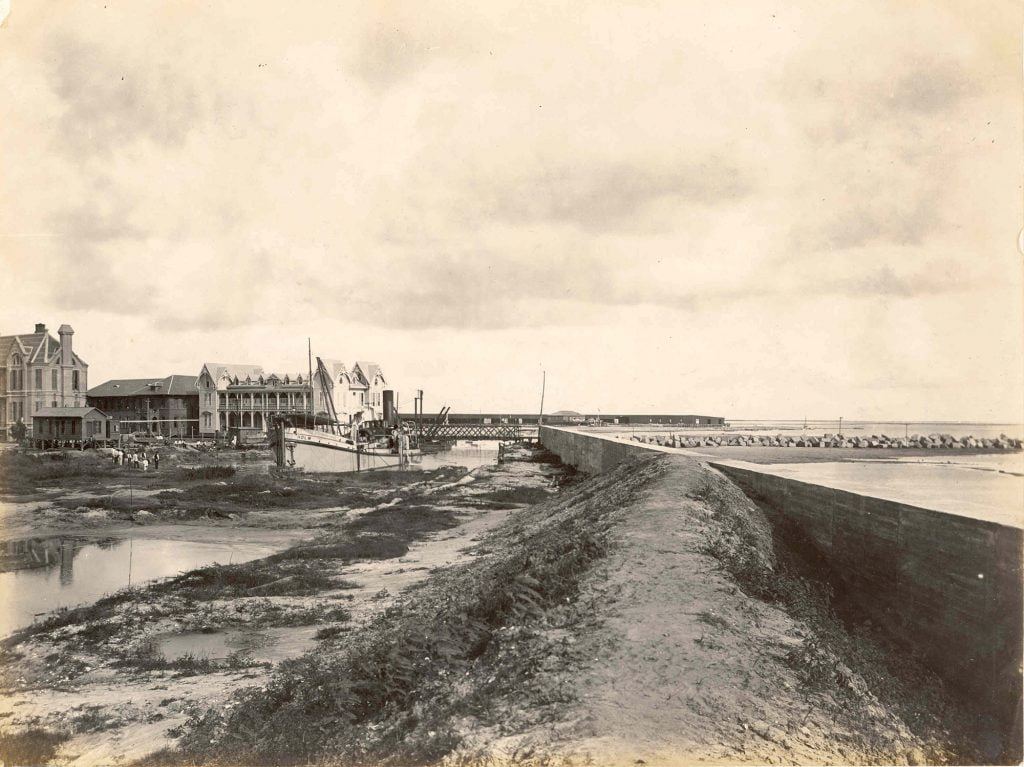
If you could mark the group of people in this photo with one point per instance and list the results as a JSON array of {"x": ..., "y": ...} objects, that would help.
[{"x": 136, "y": 459}]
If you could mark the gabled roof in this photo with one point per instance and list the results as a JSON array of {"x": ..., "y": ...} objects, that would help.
[
  {"x": 66, "y": 412},
  {"x": 174, "y": 385},
  {"x": 334, "y": 368},
  {"x": 369, "y": 369},
  {"x": 218, "y": 370},
  {"x": 268, "y": 380},
  {"x": 35, "y": 346}
]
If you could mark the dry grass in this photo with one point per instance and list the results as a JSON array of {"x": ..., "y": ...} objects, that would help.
[{"x": 24, "y": 474}]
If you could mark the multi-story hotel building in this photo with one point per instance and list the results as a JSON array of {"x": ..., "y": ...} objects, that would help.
[{"x": 244, "y": 396}]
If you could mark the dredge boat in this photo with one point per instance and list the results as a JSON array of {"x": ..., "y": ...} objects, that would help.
[{"x": 323, "y": 444}]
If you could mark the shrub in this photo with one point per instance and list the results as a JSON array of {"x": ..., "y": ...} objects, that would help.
[
  {"x": 34, "y": 746},
  {"x": 208, "y": 472}
]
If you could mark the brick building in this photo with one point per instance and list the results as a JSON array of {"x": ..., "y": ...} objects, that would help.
[
  {"x": 38, "y": 371},
  {"x": 166, "y": 406}
]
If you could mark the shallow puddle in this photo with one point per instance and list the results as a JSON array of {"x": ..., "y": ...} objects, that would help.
[
  {"x": 39, "y": 575},
  {"x": 263, "y": 645}
]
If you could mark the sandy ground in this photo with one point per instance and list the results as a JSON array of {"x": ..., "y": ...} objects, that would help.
[
  {"x": 118, "y": 715},
  {"x": 139, "y": 708}
]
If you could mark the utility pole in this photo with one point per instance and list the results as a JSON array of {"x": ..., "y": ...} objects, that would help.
[
  {"x": 543, "y": 385},
  {"x": 309, "y": 349}
]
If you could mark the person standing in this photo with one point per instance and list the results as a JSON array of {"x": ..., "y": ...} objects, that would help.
[
  {"x": 145, "y": 462},
  {"x": 156, "y": 460}
]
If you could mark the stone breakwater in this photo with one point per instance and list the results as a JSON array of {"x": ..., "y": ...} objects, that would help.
[{"x": 881, "y": 441}]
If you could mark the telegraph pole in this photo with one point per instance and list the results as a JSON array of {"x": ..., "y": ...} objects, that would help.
[
  {"x": 543, "y": 385},
  {"x": 309, "y": 349}
]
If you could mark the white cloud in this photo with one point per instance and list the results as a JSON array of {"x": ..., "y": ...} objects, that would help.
[{"x": 715, "y": 201}]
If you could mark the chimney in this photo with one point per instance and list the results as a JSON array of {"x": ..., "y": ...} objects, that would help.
[
  {"x": 40, "y": 327},
  {"x": 65, "y": 333}
]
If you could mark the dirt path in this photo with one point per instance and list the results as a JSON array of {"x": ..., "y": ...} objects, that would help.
[{"x": 687, "y": 668}]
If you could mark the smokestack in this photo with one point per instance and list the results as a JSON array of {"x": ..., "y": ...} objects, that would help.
[
  {"x": 40, "y": 327},
  {"x": 390, "y": 416},
  {"x": 65, "y": 333}
]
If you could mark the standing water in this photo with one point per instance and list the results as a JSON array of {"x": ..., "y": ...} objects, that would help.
[
  {"x": 39, "y": 575},
  {"x": 465, "y": 453}
]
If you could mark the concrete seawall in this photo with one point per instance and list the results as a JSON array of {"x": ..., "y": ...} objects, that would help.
[
  {"x": 593, "y": 453},
  {"x": 947, "y": 586}
]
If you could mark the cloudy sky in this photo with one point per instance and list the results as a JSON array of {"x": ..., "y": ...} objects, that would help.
[{"x": 752, "y": 209}]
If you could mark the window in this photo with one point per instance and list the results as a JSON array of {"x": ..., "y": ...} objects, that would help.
[
  {"x": 39, "y": 379},
  {"x": 74, "y": 380},
  {"x": 14, "y": 380},
  {"x": 53, "y": 380}
]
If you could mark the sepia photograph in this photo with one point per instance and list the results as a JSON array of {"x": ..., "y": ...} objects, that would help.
[{"x": 568, "y": 383}]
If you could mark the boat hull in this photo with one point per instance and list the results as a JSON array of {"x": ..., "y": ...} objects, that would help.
[{"x": 315, "y": 451}]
